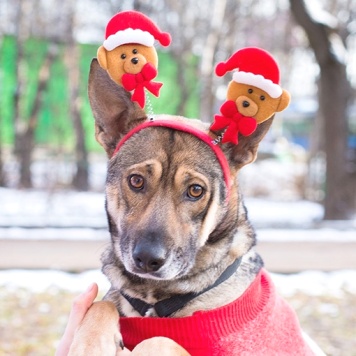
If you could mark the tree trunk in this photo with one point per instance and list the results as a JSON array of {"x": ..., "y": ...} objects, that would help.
[
  {"x": 334, "y": 95},
  {"x": 19, "y": 125},
  {"x": 24, "y": 130},
  {"x": 184, "y": 86},
  {"x": 81, "y": 177},
  {"x": 207, "y": 99},
  {"x": 26, "y": 134},
  {"x": 2, "y": 173},
  {"x": 181, "y": 50}
]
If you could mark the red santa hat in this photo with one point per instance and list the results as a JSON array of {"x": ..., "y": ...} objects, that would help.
[
  {"x": 253, "y": 66},
  {"x": 133, "y": 27}
]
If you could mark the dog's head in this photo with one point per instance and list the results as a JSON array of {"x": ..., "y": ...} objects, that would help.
[{"x": 170, "y": 199}]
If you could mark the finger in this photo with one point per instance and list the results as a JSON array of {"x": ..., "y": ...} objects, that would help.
[{"x": 80, "y": 306}]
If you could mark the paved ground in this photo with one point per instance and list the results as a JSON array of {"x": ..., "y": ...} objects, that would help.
[{"x": 78, "y": 255}]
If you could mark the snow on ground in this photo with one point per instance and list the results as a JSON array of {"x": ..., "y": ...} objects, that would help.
[
  {"x": 317, "y": 283},
  {"x": 312, "y": 283},
  {"x": 69, "y": 208},
  {"x": 300, "y": 212},
  {"x": 51, "y": 233},
  {"x": 102, "y": 234},
  {"x": 39, "y": 281},
  {"x": 307, "y": 235},
  {"x": 78, "y": 215},
  {"x": 58, "y": 208}
]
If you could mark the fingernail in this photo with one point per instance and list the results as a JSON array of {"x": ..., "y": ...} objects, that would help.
[{"x": 90, "y": 288}]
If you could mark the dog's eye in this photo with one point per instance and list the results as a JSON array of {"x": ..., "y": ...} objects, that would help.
[
  {"x": 195, "y": 192},
  {"x": 135, "y": 51},
  {"x": 123, "y": 56},
  {"x": 262, "y": 97},
  {"x": 250, "y": 91},
  {"x": 136, "y": 182}
]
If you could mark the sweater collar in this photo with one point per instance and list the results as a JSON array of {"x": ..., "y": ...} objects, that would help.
[{"x": 202, "y": 329}]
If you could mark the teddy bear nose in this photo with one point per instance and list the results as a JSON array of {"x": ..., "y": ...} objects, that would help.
[
  {"x": 245, "y": 104},
  {"x": 134, "y": 60}
]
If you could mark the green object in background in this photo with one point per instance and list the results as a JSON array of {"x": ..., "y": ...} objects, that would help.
[{"x": 54, "y": 127}]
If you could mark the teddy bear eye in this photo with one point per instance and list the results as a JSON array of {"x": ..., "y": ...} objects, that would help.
[
  {"x": 250, "y": 91},
  {"x": 262, "y": 97},
  {"x": 123, "y": 56},
  {"x": 135, "y": 51}
]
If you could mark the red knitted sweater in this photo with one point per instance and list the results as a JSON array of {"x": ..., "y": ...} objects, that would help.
[{"x": 257, "y": 323}]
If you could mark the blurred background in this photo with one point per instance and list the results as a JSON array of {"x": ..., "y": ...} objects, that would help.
[{"x": 300, "y": 193}]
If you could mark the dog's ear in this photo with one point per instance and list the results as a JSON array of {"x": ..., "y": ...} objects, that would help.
[
  {"x": 245, "y": 151},
  {"x": 114, "y": 112}
]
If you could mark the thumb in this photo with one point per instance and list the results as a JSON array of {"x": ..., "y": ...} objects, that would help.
[{"x": 80, "y": 306}]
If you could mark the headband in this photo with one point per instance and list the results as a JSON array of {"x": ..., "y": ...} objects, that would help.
[{"x": 179, "y": 126}]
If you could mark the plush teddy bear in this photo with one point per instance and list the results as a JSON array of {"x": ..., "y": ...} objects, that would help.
[
  {"x": 253, "y": 96},
  {"x": 128, "y": 53}
]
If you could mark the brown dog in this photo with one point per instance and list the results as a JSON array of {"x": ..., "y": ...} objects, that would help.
[{"x": 181, "y": 262}]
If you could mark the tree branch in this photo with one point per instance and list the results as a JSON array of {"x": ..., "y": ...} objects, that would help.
[{"x": 317, "y": 32}]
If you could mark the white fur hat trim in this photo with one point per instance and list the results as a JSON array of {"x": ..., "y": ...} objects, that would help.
[
  {"x": 257, "y": 80},
  {"x": 128, "y": 36}
]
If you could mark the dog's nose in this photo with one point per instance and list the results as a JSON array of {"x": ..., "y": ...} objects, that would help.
[
  {"x": 245, "y": 104},
  {"x": 149, "y": 256},
  {"x": 134, "y": 60}
]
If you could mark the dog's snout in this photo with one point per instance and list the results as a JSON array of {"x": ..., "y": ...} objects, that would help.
[
  {"x": 134, "y": 60},
  {"x": 149, "y": 256},
  {"x": 245, "y": 104}
]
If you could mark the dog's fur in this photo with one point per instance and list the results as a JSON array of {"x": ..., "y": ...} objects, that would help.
[
  {"x": 190, "y": 241},
  {"x": 109, "y": 338}
]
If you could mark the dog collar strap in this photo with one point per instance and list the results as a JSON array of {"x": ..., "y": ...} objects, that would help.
[
  {"x": 179, "y": 126},
  {"x": 167, "y": 307}
]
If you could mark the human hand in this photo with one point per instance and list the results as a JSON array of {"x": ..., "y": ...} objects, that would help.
[{"x": 80, "y": 306}]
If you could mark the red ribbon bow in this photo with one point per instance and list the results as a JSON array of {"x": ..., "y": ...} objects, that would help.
[
  {"x": 138, "y": 82},
  {"x": 234, "y": 121}
]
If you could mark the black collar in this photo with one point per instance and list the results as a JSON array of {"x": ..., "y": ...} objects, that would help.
[{"x": 167, "y": 307}]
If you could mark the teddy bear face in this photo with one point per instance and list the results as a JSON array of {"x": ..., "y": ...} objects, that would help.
[
  {"x": 255, "y": 102},
  {"x": 127, "y": 58}
]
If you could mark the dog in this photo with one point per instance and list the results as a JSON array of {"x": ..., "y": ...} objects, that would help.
[{"x": 185, "y": 278}]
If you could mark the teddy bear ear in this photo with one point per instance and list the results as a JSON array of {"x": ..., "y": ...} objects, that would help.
[
  {"x": 114, "y": 112},
  {"x": 284, "y": 101},
  {"x": 101, "y": 55}
]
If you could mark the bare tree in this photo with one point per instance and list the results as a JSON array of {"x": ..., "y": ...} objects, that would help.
[
  {"x": 212, "y": 30},
  {"x": 26, "y": 137},
  {"x": 25, "y": 127},
  {"x": 20, "y": 36},
  {"x": 334, "y": 97},
  {"x": 182, "y": 47},
  {"x": 2, "y": 173},
  {"x": 207, "y": 98},
  {"x": 81, "y": 177}
]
